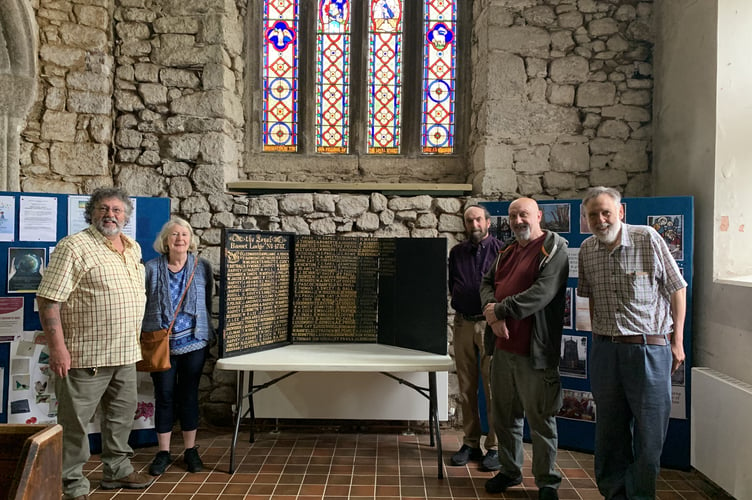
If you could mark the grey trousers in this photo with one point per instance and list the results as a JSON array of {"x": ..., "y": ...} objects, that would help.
[
  {"x": 78, "y": 395},
  {"x": 519, "y": 391}
]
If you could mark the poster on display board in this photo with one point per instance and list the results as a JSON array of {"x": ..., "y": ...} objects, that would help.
[
  {"x": 30, "y": 226},
  {"x": 673, "y": 218},
  {"x": 32, "y": 391}
]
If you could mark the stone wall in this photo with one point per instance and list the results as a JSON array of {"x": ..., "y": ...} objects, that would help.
[
  {"x": 561, "y": 100},
  {"x": 178, "y": 97},
  {"x": 562, "y": 96},
  {"x": 151, "y": 95},
  {"x": 144, "y": 94},
  {"x": 67, "y": 140}
]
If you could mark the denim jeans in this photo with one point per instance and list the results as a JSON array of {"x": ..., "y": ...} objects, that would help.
[
  {"x": 178, "y": 388},
  {"x": 631, "y": 386}
]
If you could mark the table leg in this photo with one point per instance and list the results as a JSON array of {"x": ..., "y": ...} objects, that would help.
[
  {"x": 238, "y": 417},
  {"x": 251, "y": 408},
  {"x": 431, "y": 411},
  {"x": 434, "y": 420}
]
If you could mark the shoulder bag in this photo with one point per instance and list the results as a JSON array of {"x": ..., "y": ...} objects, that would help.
[{"x": 155, "y": 346}]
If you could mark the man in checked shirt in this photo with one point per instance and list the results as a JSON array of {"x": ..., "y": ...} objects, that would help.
[
  {"x": 637, "y": 308},
  {"x": 91, "y": 303}
]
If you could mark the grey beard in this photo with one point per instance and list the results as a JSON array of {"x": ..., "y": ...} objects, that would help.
[
  {"x": 522, "y": 234},
  {"x": 107, "y": 231},
  {"x": 476, "y": 236}
]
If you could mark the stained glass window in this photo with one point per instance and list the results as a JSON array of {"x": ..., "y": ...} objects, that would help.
[
  {"x": 439, "y": 56},
  {"x": 280, "y": 79},
  {"x": 333, "y": 76},
  {"x": 384, "y": 76},
  {"x": 356, "y": 94}
]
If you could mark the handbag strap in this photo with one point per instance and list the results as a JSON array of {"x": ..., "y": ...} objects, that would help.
[{"x": 175, "y": 314}]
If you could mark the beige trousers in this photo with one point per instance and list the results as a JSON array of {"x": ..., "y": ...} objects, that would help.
[{"x": 468, "y": 347}]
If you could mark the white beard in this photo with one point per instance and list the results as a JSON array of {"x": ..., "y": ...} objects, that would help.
[{"x": 607, "y": 233}]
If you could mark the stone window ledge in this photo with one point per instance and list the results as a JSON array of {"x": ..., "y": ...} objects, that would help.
[{"x": 386, "y": 188}]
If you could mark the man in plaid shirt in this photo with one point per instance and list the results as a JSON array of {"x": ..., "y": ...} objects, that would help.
[
  {"x": 637, "y": 307},
  {"x": 91, "y": 304}
]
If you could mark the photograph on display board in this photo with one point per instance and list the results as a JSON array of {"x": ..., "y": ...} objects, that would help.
[
  {"x": 25, "y": 269},
  {"x": 556, "y": 217},
  {"x": 500, "y": 228},
  {"x": 31, "y": 398},
  {"x": 582, "y": 313},
  {"x": 577, "y": 405},
  {"x": 671, "y": 229},
  {"x": 584, "y": 228},
  {"x": 11, "y": 318},
  {"x": 573, "y": 356},
  {"x": 568, "y": 308},
  {"x": 7, "y": 218},
  {"x": 31, "y": 395}
]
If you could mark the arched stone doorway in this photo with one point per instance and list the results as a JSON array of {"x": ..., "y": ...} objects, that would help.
[{"x": 18, "y": 42}]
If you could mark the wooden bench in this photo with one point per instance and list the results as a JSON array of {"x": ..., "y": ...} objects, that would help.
[{"x": 31, "y": 461}]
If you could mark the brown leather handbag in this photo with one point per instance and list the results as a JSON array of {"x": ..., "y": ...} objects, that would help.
[{"x": 155, "y": 346}]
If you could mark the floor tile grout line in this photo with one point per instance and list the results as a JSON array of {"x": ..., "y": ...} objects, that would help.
[{"x": 410, "y": 453}]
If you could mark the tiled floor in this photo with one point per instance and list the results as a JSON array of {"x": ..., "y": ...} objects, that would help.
[{"x": 307, "y": 465}]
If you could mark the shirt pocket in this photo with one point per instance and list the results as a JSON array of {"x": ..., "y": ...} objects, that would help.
[{"x": 639, "y": 289}]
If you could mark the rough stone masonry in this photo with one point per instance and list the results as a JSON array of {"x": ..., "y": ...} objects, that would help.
[{"x": 162, "y": 97}]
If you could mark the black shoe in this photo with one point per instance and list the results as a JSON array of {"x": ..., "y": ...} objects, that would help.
[
  {"x": 548, "y": 493},
  {"x": 193, "y": 462},
  {"x": 466, "y": 454},
  {"x": 491, "y": 460},
  {"x": 160, "y": 463},
  {"x": 500, "y": 482}
]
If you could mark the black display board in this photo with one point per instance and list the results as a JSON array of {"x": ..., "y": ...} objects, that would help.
[
  {"x": 282, "y": 288},
  {"x": 673, "y": 218}
]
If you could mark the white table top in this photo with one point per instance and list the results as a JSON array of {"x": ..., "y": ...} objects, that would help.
[{"x": 341, "y": 357}]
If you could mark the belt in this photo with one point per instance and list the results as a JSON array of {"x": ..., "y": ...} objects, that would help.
[
  {"x": 636, "y": 339},
  {"x": 472, "y": 317}
]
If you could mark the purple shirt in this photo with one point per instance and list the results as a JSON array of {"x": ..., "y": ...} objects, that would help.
[{"x": 467, "y": 265}]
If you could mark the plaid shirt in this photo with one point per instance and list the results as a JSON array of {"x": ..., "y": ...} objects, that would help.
[
  {"x": 630, "y": 286},
  {"x": 103, "y": 297}
]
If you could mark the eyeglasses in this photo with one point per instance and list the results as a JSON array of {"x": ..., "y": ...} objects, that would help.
[{"x": 104, "y": 209}]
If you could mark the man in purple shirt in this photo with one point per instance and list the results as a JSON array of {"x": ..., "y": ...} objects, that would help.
[{"x": 468, "y": 262}]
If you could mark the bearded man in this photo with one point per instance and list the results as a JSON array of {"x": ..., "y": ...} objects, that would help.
[
  {"x": 91, "y": 304},
  {"x": 468, "y": 261},
  {"x": 523, "y": 298},
  {"x": 637, "y": 307}
]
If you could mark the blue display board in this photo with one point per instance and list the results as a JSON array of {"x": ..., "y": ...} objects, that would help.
[
  {"x": 52, "y": 210},
  {"x": 673, "y": 218}
]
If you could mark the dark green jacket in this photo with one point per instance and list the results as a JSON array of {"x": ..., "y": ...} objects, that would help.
[{"x": 544, "y": 300}]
